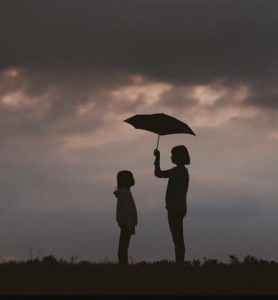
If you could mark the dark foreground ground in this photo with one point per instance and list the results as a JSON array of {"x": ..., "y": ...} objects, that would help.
[{"x": 50, "y": 276}]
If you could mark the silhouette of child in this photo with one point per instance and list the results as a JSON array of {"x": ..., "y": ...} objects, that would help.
[
  {"x": 126, "y": 215},
  {"x": 176, "y": 195}
]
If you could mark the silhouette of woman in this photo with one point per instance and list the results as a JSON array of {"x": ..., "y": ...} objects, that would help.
[
  {"x": 126, "y": 215},
  {"x": 176, "y": 195}
]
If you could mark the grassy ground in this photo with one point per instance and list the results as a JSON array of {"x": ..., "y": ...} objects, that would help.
[{"x": 50, "y": 276}]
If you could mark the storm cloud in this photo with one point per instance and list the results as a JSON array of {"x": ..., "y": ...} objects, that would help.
[{"x": 177, "y": 41}]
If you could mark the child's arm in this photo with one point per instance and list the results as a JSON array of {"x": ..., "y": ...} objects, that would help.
[
  {"x": 120, "y": 214},
  {"x": 129, "y": 221},
  {"x": 157, "y": 171}
]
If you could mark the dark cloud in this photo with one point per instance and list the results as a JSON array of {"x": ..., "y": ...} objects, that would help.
[{"x": 175, "y": 41}]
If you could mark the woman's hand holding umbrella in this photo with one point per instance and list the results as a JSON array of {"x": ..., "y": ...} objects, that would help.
[{"x": 156, "y": 153}]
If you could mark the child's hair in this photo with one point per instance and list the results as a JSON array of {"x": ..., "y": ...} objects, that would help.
[
  {"x": 125, "y": 179},
  {"x": 181, "y": 155}
]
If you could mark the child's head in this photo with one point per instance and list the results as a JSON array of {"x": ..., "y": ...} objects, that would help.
[
  {"x": 180, "y": 155},
  {"x": 125, "y": 179}
]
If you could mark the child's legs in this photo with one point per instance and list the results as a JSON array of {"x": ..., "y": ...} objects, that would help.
[{"x": 125, "y": 236}]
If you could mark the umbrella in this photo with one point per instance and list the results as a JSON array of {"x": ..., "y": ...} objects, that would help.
[{"x": 160, "y": 124}]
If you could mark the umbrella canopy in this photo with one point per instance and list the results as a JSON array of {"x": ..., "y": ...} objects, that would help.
[{"x": 160, "y": 124}]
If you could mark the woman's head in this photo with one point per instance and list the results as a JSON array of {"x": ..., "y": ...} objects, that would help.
[
  {"x": 125, "y": 179},
  {"x": 180, "y": 155}
]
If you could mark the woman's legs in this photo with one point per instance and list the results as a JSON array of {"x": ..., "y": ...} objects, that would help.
[
  {"x": 125, "y": 236},
  {"x": 176, "y": 227}
]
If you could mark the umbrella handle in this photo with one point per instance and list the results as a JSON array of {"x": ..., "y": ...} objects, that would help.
[{"x": 157, "y": 141}]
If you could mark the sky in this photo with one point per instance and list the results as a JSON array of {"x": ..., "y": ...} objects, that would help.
[{"x": 72, "y": 71}]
